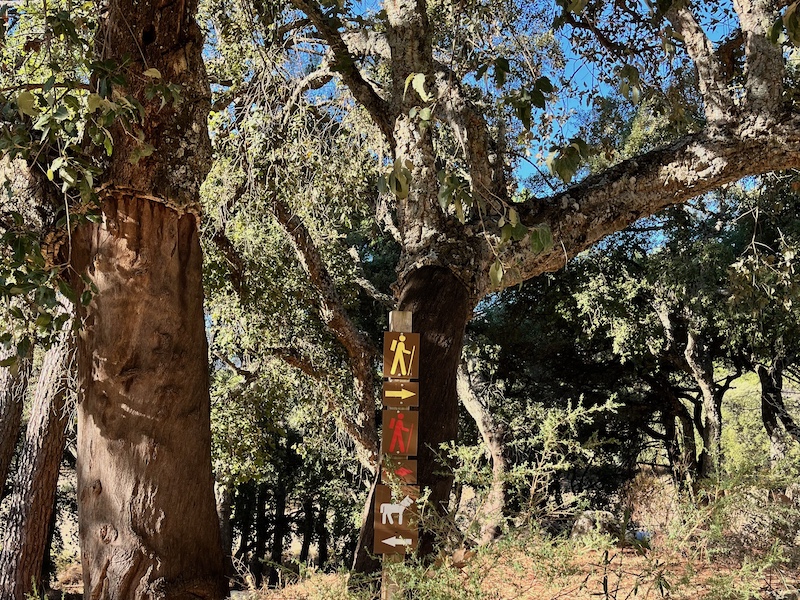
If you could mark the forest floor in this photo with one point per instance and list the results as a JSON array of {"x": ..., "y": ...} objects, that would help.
[{"x": 535, "y": 568}]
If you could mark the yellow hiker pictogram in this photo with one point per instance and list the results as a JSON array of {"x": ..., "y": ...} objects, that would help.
[{"x": 401, "y": 355}]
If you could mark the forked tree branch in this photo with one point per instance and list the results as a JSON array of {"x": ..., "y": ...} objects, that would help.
[
  {"x": 712, "y": 83},
  {"x": 345, "y": 64}
]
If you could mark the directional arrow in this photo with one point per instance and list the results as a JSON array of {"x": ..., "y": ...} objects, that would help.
[
  {"x": 397, "y": 541},
  {"x": 402, "y": 472},
  {"x": 401, "y": 393}
]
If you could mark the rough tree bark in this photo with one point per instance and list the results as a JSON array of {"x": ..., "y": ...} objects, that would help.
[
  {"x": 224, "y": 495},
  {"x": 442, "y": 307},
  {"x": 147, "y": 519},
  {"x": 13, "y": 387},
  {"x": 33, "y": 499},
  {"x": 771, "y": 390}
]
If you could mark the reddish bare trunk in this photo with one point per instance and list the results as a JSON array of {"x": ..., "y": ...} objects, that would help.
[
  {"x": 13, "y": 386},
  {"x": 147, "y": 516},
  {"x": 32, "y": 502}
]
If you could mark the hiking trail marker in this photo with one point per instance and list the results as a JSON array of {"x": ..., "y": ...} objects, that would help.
[{"x": 396, "y": 511}]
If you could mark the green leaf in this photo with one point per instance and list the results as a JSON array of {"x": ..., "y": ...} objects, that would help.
[
  {"x": 519, "y": 232},
  {"x": 501, "y": 69},
  {"x": 7, "y": 362},
  {"x": 26, "y": 102},
  {"x": 544, "y": 85},
  {"x": 506, "y": 232},
  {"x": 418, "y": 83},
  {"x": 66, "y": 290},
  {"x": 86, "y": 298},
  {"x": 541, "y": 239},
  {"x": 23, "y": 347},
  {"x": 425, "y": 114},
  {"x": 383, "y": 187},
  {"x": 496, "y": 273},
  {"x": 93, "y": 102},
  {"x": 459, "y": 206},
  {"x": 152, "y": 73},
  {"x": 408, "y": 82}
]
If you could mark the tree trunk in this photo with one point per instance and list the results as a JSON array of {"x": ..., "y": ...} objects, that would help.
[
  {"x": 13, "y": 387},
  {"x": 442, "y": 307},
  {"x": 771, "y": 401},
  {"x": 308, "y": 528},
  {"x": 147, "y": 516},
  {"x": 703, "y": 374},
  {"x": 260, "y": 548},
  {"x": 278, "y": 533},
  {"x": 244, "y": 515},
  {"x": 32, "y": 502},
  {"x": 322, "y": 536},
  {"x": 491, "y": 513},
  {"x": 224, "y": 495}
]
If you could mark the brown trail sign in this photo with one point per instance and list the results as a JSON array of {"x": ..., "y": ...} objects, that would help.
[
  {"x": 400, "y": 432},
  {"x": 396, "y": 516},
  {"x": 396, "y": 531},
  {"x": 400, "y": 394},
  {"x": 401, "y": 355}
]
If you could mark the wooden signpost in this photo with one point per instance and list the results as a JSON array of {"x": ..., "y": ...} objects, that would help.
[{"x": 396, "y": 511}]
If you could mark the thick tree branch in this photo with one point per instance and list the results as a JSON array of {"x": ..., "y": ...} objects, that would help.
[
  {"x": 362, "y": 91},
  {"x": 367, "y": 43},
  {"x": 607, "y": 202},
  {"x": 764, "y": 65},
  {"x": 713, "y": 85},
  {"x": 359, "y": 349},
  {"x": 469, "y": 125}
]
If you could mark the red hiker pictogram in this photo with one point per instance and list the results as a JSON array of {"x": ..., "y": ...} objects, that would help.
[{"x": 399, "y": 442}]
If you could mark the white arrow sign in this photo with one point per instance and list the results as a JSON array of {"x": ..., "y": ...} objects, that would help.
[{"x": 397, "y": 541}]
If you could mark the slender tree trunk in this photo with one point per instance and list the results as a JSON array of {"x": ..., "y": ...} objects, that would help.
[
  {"x": 32, "y": 502},
  {"x": 771, "y": 400},
  {"x": 244, "y": 515},
  {"x": 308, "y": 528},
  {"x": 703, "y": 374},
  {"x": 224, "y": 495},
  {"x": 260, "y": 548},
  {"x": 279, "y": 531},
  {"x": 492, "y": 511},
  {"x": 13, "y": 387},
  {"x": 322, "y": 536}
]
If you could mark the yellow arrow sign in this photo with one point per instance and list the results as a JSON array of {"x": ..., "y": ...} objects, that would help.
[{"x": 401, "y": 394}]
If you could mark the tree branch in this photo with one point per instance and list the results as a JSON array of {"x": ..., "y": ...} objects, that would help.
[
  {"x": 344, "y": 64},
  {"x": 713, "y": 85},
  {"x": 764, "y": 65},
  {"x": 359, "y": 350},
  {"x": 486, "y": 166},
  {"x": 609, "y": 201}
]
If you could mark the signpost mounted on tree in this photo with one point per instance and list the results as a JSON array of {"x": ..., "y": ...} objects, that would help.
[{"x": 396, "y": 531}]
